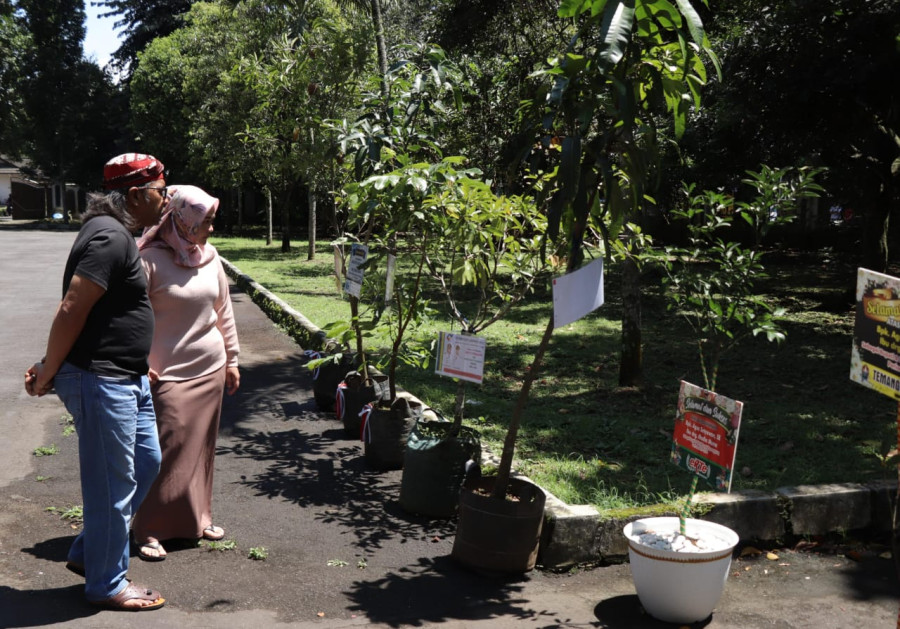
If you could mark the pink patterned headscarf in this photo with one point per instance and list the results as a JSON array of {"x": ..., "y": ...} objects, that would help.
[{"x": 180, "y": 223}]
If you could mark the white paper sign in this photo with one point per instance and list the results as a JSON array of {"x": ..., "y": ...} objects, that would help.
[
  {"x": 578, "y": 293},
  {"x": 389, "y": 279},
  {"x": 358, "y": 255},
  {"x": 460, "y": 356}
]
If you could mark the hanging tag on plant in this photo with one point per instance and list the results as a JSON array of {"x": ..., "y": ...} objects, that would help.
[
  {"x": 706, "y": 434},
  {"x": 353, "y": 282},
  {"x": 460, "y": 356},
  {"x": 389, "y": 279}
]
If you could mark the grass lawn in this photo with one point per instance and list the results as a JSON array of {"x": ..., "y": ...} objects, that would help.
[{"x": 589, "y": 441}]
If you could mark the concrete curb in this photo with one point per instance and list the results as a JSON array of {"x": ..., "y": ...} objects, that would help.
[{"x": 576, "y": 534}]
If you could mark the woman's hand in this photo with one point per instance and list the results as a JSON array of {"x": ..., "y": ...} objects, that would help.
[
  {"x": 232, "y": 380},
  {"x": 152, "y": 376}
]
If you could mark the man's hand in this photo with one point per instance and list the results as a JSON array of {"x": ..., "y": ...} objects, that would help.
[{"x": 36, "y": 381}]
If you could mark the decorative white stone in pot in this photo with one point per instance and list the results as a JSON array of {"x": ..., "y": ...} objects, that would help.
[{"x": 679, "y": 579}]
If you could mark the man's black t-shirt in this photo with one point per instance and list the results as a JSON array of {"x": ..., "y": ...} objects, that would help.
[{"x": 118, "y": 331}]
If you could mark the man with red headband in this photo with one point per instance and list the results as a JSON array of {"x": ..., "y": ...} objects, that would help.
[{"x": 97, "y": 360}]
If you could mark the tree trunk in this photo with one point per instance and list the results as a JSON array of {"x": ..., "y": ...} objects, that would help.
[
  {"x": 240, "y": 209},
  {"x": 630, "y": 365},
  {"x": 268, "y": 216},
  {"x": 380, "y": 46},
  {"x": 311, "y": 204},
  {"x": 311, "y": 201},
  {"x": 286, "y": 220},
  {"x": 509, "y": 443}
]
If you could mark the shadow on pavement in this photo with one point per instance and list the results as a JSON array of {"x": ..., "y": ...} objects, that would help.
[
  {"x": 625, "y": 612},
  {"x": 55, "y": 549},
  {"x": 872, "y": 579},
  {"x": 43, "y": 607},
  {"x": 437, "y": 590},
  {"x": 301, "y": 456}
]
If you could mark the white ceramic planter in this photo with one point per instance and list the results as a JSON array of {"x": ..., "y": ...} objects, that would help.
[{"x": 677, "y": 586}]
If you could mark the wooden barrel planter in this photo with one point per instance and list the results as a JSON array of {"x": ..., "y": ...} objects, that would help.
[{"x": 499, "y": 536}]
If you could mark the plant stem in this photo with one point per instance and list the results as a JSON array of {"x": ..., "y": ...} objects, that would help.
[
  {"x": 685, "y": 512},
  {"x": 458, "y": 407},
  {"x": 354, "y": 317},
  {"x": 509, "y": 444}
]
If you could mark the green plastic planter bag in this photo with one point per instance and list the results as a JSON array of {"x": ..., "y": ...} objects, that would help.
[{"x": 434, "y": 467}]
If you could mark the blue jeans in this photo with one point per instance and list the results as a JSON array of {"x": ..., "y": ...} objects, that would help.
[{"x": 118, "y": 450}]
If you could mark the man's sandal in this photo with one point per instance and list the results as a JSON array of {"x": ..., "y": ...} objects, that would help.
[
  {"x": 132, "y": 592},
  {"x": 213, "y": 533}
]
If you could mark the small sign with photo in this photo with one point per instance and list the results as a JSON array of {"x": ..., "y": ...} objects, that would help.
[
  {"x": 706, "y": 434},
  {"x": 460, "y": 356},
  {"x": 875, "y": 357}
]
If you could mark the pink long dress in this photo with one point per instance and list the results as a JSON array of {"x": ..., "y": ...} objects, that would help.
[{"x": 194, "y": 341}]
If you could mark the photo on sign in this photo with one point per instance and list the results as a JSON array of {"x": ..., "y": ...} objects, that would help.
[
  {"x": 875, "y": 355},
  {"x": 706, "y": 433},
  {"x": 460, "y": 356}
]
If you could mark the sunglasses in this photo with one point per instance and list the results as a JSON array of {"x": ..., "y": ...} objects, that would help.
[{"x": 164, "y": 191}]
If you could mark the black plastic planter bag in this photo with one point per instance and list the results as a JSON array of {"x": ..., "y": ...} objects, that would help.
[
  {"x": 353, "y": 394},
  {"x": 385, "y": 432},
  {"x": 434, "y": 467},
  {"x": 326, "y": 378}
]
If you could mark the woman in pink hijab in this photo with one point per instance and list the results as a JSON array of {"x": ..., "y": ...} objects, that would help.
[{"x": 193, "y": 357}]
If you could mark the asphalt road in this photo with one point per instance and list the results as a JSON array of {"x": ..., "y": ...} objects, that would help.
[{"x": 341, "y": 552}]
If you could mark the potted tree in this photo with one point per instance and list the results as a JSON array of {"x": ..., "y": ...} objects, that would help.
[
  {"x": 487, "y": 244},
  {"x": 680, "y": 564},
  {"x": 400, "y": 202},
  {"x": 627, "y": 64},
  {"x": 375, "y": 151}
]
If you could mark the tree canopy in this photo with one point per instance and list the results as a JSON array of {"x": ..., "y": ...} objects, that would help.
[{"x": 141, "y": 21}]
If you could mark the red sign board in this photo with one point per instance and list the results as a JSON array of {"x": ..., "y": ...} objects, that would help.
[{"x": 706, "y": 433}]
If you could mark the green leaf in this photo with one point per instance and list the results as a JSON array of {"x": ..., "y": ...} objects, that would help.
[
  {"x": 615, "y": 31},
  {"x": 572, "y": 8},
  {"x": 665, "y": 13},
  {"x": 695, "y": 24},
  {"x": 418, "y": 183}
]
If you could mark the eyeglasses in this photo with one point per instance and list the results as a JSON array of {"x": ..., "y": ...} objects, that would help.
[{"x": 164, "y": 191}]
